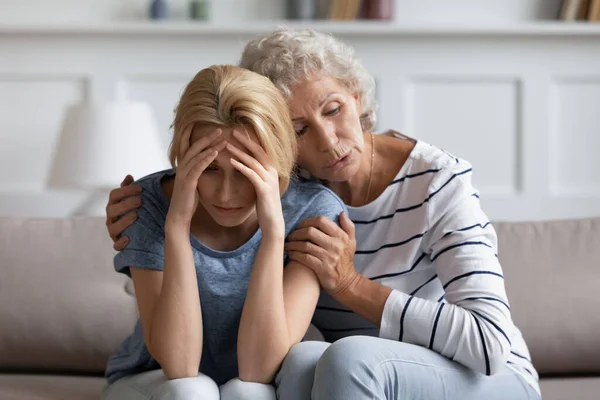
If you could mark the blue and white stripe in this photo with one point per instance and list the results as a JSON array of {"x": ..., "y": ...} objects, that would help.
[{"x": 427, "y": 238}]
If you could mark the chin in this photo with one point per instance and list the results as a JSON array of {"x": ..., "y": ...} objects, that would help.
[
  {"x": 231, "y": 221},
  {"x": 342, "y": 174}
]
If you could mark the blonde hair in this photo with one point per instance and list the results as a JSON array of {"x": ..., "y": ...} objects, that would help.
[
  {"x": 231, "y": 96},
  {"x": 288, "y": 57}
]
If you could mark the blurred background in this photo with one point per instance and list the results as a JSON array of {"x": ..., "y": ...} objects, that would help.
[{"x": 87, "y": 89}]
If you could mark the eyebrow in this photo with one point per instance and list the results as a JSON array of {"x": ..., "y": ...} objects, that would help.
[{"x": 320, "y": 104}]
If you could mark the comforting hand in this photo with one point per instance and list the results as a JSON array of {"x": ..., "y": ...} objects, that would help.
[
  {"x": 192, "y": 162},
  {"x": 265, "y": 179},
  {"x": 320, "y": 244},
  {"x": 120, "y": 211}
]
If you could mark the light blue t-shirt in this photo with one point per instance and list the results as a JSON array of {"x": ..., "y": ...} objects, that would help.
[{"x": 223, "y": 277}]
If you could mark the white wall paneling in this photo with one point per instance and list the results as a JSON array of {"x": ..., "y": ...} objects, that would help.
[
  {"x": 519, "y": 102},
  {"x": 473, "y": 114},
  {"x": 575, "y": 137}
]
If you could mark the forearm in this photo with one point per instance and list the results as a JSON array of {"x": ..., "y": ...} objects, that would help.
[
  {"x": 446, "y": 328},
  {"x": 263, "y": 338},
  {"x": 365, "y": 298},
  {"x": 176, "y": 332}
]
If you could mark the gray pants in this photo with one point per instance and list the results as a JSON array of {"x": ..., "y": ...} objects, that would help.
[
  {"x": 361, "y": 367},
  {"x": 154, "y": 385}
]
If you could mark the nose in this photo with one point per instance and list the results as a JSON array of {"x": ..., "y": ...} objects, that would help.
[
  {"x": 225, "y": 190},
  {"x": 326, "y": 137}
]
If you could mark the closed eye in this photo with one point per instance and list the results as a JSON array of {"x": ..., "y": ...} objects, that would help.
[
  {"x": 333, "y": 112},
  {"x": 302, "y": 131}
]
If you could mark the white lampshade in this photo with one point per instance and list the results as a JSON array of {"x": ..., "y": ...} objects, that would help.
[{"x": 101, "y": 143}]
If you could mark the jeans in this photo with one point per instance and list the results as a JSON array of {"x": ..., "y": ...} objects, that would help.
[
  {"x": 361, "y": 367},
  {"x": 154, "y": 385}
]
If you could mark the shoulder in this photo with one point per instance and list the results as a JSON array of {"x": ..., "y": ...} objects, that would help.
[
  {"x": 303, "y": 191},
  {"x": 153, "y": 210},
  {"x": 306, "y": 199},
  {"x": 151, "y": 183},
  {"x": 450, "y": 181},
  {"x": 146, "y": 233},
  {"x": 439, "y": 167}
]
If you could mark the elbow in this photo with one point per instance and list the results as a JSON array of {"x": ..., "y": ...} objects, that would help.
[
  {"x": 180, "y": 371},
  {"x": 175, "y": 366},
  {"x": 260, "y": 367},
  {"x": 178, "y": 367},
  {"x": 498, "y": 356},
  {"x": 256, "y": 376},
  {"x": 260, "y": 371}
]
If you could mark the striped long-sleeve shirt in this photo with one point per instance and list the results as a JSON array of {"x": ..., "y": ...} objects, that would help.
[{"x": 427, "y": 238}]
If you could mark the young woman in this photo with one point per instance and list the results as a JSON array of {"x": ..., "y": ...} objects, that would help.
[
  {"x": 415, "y": 279},
  {"x": 219, "y": 308}
]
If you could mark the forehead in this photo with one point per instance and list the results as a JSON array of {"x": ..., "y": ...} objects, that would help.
[
  {"x": 201, "y": 130},
  {"x": 314, "y": 90}
]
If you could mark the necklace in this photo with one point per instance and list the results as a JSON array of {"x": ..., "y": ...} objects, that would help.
[{"x": 371, "y": 167}]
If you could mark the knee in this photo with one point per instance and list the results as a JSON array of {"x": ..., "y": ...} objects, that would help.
[
  {"x": 198, "y": 388},
  {"x": 342, "y": 355},
  {"x": 236, "y": 389},
  {"x": 295, "y": 378},
  {"x": 303, "y": 357}
]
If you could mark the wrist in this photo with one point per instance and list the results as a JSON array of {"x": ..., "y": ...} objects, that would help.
[
  {"x": 274, "y": 230},
  {"x": 349, "y": 287},
  {"x": 274, "y": 234},
  {"x": 176, "y": 224}
]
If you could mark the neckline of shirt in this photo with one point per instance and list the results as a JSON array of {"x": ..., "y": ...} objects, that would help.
[{"x": 368, "y": 209}]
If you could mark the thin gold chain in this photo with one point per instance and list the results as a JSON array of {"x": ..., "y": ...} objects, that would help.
[{"x": 371, "y": 167}]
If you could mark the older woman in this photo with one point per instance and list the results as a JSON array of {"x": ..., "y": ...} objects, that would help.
[{"x": 413, "y": 296}]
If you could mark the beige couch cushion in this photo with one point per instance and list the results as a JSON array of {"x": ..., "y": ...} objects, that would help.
[
  {"x": 571, "y": 388},
  {"x": 48, "y": 387},
  {"x": 62, "y": 306},
  {"x": 552, "y": 275}
]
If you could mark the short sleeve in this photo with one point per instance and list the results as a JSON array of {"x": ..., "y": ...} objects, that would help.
[
  {"x": 326, "y": 204},
  {"x": 146, "y": 240}
]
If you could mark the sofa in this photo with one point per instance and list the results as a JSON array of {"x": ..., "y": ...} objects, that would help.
[{"x": 63, "y": 310}]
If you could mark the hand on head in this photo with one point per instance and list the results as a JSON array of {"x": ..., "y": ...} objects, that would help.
[
  {"x": 194, "y": 158},
  {"x": 255, "y": 165}
]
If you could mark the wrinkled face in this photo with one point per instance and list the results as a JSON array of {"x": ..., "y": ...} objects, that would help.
[
  {"x": 226, "y": 194},
  {"x": 326, "y": 117}
]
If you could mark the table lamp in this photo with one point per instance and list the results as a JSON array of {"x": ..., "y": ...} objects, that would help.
[{"x": 101, "y": 143}]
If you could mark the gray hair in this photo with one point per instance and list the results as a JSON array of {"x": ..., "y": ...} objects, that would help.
[{"x": 288, "y": 57}]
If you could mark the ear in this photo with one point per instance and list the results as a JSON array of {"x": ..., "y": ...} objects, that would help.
[{"x": 356, "y": 96}]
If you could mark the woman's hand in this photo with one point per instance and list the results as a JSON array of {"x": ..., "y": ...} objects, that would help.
[
  {"x": 194, "y": 160},
  {"x": 321, "y": 245},
  {"x": 265, "y": 179},
  {"x": 120, "y": 211}
]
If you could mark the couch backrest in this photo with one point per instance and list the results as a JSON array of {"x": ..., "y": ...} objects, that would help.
[
  {"x": 552, "y": 276},
  {"x": 62, "y": 306}
]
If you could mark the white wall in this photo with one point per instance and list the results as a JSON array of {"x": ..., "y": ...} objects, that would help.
[{"x": 519, "y": 103}]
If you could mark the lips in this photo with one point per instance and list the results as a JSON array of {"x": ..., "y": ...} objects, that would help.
[
  {"x": 339, "y": 161},
  {"x": 227, "y": 209}
]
